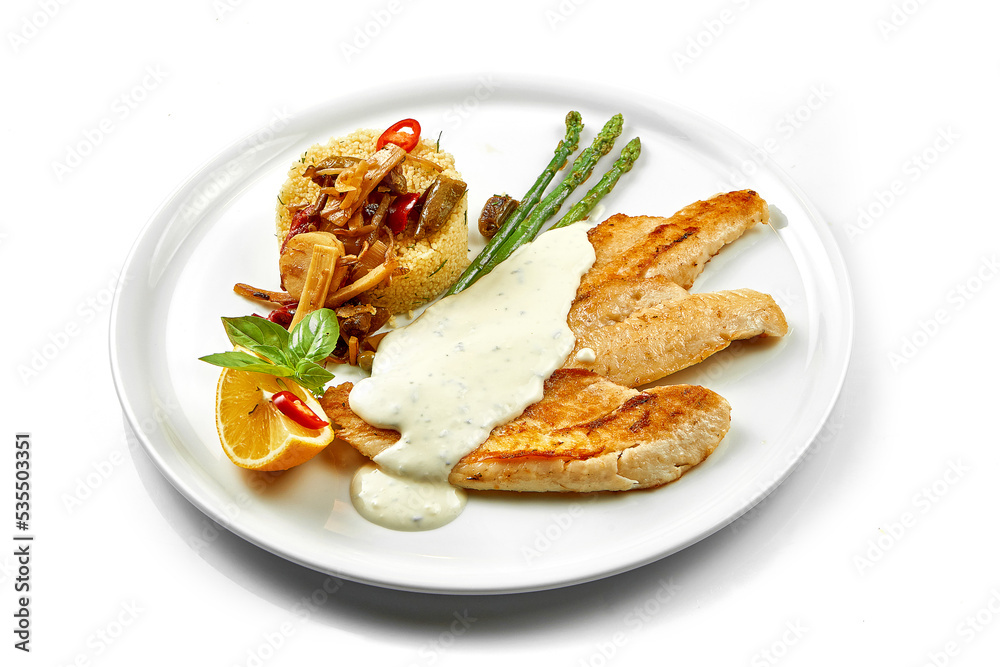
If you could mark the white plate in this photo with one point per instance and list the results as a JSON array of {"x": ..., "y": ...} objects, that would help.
[{"x": 217, "y": 229}]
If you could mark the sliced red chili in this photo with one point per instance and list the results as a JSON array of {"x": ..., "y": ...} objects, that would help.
[
  {"x": 282, "y": 315},
  {"x": 402, "y": 210},
  {"x": 405, "y": 140},
  {"x": 292, "y": 407},
  {"x": 301, "y": 223}
]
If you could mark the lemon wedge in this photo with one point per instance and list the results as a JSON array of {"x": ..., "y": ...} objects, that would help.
[{"x": 254, "y": 433}]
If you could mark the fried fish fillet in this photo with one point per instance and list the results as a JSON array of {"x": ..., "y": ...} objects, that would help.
[
  {"x": 677, "y": 247},
  {"x": 614, "y": 300},
  {"x": 643, "y": 330},
  {"x": 586, "y": 434},
  {"x": 591, "y": 433},
  {"x": 633, "y": 309}
]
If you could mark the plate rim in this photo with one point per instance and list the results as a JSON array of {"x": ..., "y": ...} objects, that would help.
[{"x": 573, "y": 90}]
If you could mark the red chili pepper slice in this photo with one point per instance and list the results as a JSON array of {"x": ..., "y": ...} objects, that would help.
[
  {"x": 402, "y": 209},
  {"x": 405, "y": 140},
  {"x": 292, "y": 407},
  {"x": 283, "y": 315},
  {"x": 301, "y": 223}
]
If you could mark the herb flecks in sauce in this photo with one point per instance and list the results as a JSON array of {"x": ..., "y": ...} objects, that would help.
[{"x": 472, "y": 361}]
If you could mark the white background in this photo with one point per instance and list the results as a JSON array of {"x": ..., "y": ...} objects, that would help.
[{"x": 880, "y": 548}]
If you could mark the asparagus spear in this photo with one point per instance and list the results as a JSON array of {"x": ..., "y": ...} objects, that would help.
[
  {"x": 566, "y": 147},
  {"x": 621, "y": 166},
  {"x": 580, "y": 171}
]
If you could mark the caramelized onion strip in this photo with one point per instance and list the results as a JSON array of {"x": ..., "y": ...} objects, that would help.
[
  {"x": 263, "y": 295},
  {"x": 363, "y": 284},
  {"x": 424, "y": 163}
]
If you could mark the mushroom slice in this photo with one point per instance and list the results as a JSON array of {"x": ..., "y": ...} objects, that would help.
[
  {"x": 496, "y": 210},
  {"x": 440, "y": 198},
  {"x": 296, "y": 256},
  {"x": 378, "y": 166}
]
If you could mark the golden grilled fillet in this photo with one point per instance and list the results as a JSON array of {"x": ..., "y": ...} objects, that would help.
[
  {"x": 614, "y": 300},
  {"x": 586, "y": 434},
  {"x": 677, "y": 247},
  {"x": 633, "y": 318},
  {"x": 642, "y": 330}
]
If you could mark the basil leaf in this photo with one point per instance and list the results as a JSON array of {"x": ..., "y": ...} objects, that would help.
[
  {"x": 272, "y": 354},
  {"x": 251, "y": 331},
  {"x": 311, "y": 375},
  {"x": 275, "y": 351},
  {"x": 314, "y": 337},
  {"x": 247, "y": 362}
]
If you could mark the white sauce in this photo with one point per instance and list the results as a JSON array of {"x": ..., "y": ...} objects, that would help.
[
  {"x": 586, "y": 355},
  {"x": 404, "y": 503},
  {"x": 470, "y": 362}
]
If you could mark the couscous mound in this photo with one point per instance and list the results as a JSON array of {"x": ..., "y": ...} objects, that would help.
[{"x": 432, "y": 263}]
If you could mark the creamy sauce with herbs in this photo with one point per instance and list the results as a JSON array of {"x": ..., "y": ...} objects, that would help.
[
  {"x": 470, "y": 362},
  {"x": 404, "y": 503}
]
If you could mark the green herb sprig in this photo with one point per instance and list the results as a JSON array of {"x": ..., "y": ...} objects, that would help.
[{"x": 298, "y": 354}]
